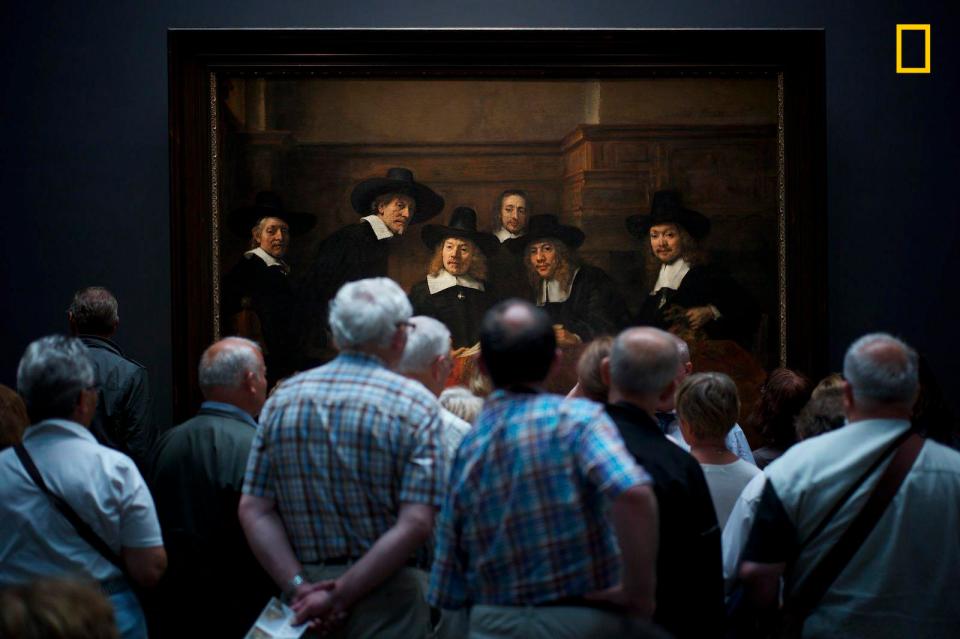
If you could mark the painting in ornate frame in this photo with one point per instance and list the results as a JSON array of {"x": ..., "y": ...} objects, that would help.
[{"x": 591, "y": 123}]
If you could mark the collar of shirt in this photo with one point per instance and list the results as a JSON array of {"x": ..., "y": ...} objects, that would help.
[
  {"x": 445, "y": 279},
  {"x": 671, "y": 275},
  {"x": 379, "y": 227},
  {"x": 223, "y": 407},
  {"x": 360, "y": 359},
  {"x": 503, "y": 235},
  {"x": 95, "y": 341},
  {"x": 267, "y": 258},
  {"x": 60, "y": 427},
  {"x": 551, "y": 291},
  {"x": 636, "y": 415}
]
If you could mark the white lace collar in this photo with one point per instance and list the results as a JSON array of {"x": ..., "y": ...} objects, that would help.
[
  {"x": 672, "y": 274},
  {"x": 551, "y": 291},
  {"x": 379, "y": 227},
  {"x": 444, "y": 280}
]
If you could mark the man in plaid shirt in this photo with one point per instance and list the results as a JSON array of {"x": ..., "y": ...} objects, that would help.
[
  {"x": 345, "y": 475},
  {"x": 524, "y": 537}
]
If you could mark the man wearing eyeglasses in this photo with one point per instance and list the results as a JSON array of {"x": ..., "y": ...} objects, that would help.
[{"x": 346, "y": 473}]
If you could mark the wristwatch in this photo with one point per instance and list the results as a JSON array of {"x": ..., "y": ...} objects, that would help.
[{"x": 295, "y": 582}]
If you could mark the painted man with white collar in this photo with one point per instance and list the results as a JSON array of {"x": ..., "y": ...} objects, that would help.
[
  {"x": 387, "y": 206},
  {"x": 689, "y": 293},
  {"x": 456, "y": 290},
  {"x": 512, "y": 214},
  {"x": 260, "y": 282},
  {"x": 581, "y": 299}
]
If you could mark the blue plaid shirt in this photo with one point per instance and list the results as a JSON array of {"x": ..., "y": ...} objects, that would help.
[
  {"x": 525, "y": 520},
  {"x": 339, "y": 448}
]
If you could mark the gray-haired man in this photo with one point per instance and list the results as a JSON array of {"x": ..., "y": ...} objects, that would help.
[
  {"x": 103, "y": 487},
  {"x": 197, "y": 478},
  {"x": 903, "y": 578},
  {"x": 350, "y": 449}
]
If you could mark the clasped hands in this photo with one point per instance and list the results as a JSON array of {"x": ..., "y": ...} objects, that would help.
[{"x": 319, "y": 605}]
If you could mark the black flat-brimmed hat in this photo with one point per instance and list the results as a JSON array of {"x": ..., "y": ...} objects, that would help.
[
  {"x": 463, "y": 225},
  {"x": 398, "y": 180},
  {"x": 666, "y": 209},
  {"x": 268, "y": 204},
  {"x": 545, "y": 226}
]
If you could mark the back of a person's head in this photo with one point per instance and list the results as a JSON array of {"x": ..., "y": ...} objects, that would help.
[
  {"x": 709, "y": 404},
  {"x": 881, "y": 369},
  {"x": 517, "y": 343},
  {"x": 462, "y": 403},
  {"x": 366, "y": 313},
  {"x": 823, "y": 413},
  {"x": 94, "y": 311},
  {"x": 427, "y": 340},
  {"x": 51, "y": 374},
  {"x": 643, "y": 361},
  {"x": 56, "y": 609},
  {"x": 781, "y": 398},
  {"x": 225, "y": 363},
  {"x": 13, "y": 417},
  {"x": 588, "y": 368}
]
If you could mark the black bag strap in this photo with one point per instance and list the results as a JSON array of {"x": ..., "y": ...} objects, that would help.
[
  {"x": 805, "y": 599},
  {"x": 83, "y": 529}
]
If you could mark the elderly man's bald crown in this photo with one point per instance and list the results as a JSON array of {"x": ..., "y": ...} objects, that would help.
[{"x": 643, "y": 361}]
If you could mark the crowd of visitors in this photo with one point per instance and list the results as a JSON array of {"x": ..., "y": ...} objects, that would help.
[{"x": 378, "y": 501}]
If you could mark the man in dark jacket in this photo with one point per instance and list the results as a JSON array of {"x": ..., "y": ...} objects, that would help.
[
  {"x": 196, "y": 478},
  {"x": 640, "y": 373},
  {"x": 581, "y": 299},
  {"x": 123, "y": 419}
]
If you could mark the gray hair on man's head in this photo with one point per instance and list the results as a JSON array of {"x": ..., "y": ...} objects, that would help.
[
  {"x": 462, "y": 403},
  {"x": 94, "y": 309},
  {"x": 366, "y": 312},
  {"x": 51, "y": 374},
  {"x": 226, "y": 363},
  {"x": 683, "y": 349},
  {"x": 428, "y": 340},
  {"x": 881, "y": 369},
  {"x": 643, "y": 361}
]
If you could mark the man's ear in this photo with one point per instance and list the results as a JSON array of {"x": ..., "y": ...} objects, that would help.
[
  {"x": 605, "y": 371},
  {"x": 72, "y": 322},
  {"x": 399, "y": 341},
  {"x": 849, "y": 402},
  {"x": 688, "y": 367},
  {"x": 666, "y": 396}
]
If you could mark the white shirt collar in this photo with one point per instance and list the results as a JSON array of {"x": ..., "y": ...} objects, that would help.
[
  {"x": 503, "y": 235},
  {"x": 379, "y": 227},
  {"x": 444, "y": 280},
  {"x": 671, "y": 275},
  {"x": 551, "y": 291},
  {"x": 72, "y": 427},
  {"x": 266, "y": 257}
]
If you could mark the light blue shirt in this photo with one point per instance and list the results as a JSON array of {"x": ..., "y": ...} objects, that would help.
[{"x": 102, "y": 485}]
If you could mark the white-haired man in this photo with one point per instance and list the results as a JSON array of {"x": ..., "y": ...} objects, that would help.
[
  {"x": 427, "y": 359},
  {"x": 197, "y": 477},
  {"x": 102, "y": 486},
  {"x": 902, "y": 578},
  {"x": 346, "y": 474}
]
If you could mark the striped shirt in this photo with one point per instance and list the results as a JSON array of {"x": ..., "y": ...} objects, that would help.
[
  {"x": 339, "y": 448},
  {"x": 525, "y": 521}
]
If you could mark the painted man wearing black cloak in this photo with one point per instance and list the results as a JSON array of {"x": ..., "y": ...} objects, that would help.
[
  {"x": 260, "y": 282},
  {"x": 456, "y": 290},
  {"x": 581, "y": 299},
  {"x": 689, "y": 294},
  {"x": 387, "y": 206}
]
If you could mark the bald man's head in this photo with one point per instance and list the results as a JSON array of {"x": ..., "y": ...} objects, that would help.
[
  {"x": 232, "y": 371},
  {"x": 517, "y": 343},
  {"x": 643, "y": 362},
  {"x": 881, "y": 369}
]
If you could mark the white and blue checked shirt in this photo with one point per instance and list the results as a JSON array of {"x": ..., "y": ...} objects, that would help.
[{"x": 339, "y": 448}]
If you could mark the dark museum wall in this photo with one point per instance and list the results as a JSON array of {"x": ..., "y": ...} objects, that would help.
[{"x": 84, "y": 177}]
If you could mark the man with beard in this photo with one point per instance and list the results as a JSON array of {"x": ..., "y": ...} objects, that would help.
[
  {"x": 688, "y": 291},
  {"x": 581, "y": 299},
  {"x": 387, "y": 206},
  {"x": 511, "y": 214},
  {"x": 455, "y": 290}
]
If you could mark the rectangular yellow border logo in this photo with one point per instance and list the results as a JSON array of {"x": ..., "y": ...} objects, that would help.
[{"x": 926, "y": 47}]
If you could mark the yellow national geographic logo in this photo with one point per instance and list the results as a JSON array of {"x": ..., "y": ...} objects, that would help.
[{"x": 926, "y": 48}]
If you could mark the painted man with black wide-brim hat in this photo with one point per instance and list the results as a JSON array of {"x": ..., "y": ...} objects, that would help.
[
  {"x": 386, "y": 206},
  {"x": 456, "y": 290},
  {"x": 581, "y": 299},
  {"x": 260, "y": 282},
  {"x": 689, "y": 292}
]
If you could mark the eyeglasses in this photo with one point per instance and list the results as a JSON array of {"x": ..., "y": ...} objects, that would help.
[{"x": 410, "y": 326}]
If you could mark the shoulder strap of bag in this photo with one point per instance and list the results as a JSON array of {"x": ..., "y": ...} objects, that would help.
[
  {"x": 83, "y": 529},
  {"x": 829, "y": 568}
]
